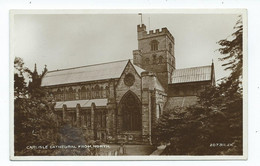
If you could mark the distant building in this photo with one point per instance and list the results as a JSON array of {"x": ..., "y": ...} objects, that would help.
[{"x": 120, "y": 101}]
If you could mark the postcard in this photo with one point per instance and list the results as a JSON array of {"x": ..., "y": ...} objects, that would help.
[{"x": 128, "y": 84}]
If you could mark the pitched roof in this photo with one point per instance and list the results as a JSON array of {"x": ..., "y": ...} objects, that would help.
[
  {"x": 82, "y": 103},
  {"x": 193, "y": 74},
  {"x": 181, "y": 101},
  {"x": 86, "y": 73}
]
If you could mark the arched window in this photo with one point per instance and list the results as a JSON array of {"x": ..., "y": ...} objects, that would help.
[
  {"x": 88, "y": 93},
  {"x": 107, "y": 91},
  {"x": 97, "y": 91},
  {"x": 131, "y": 111},
  {"x": 170, "y": 47},
  {"x": 83, "y": 93},
  {"x": 147, "y": 61},
  {"x": 71, "y": 94},
  {"x": 66, "y": 94},
  {"x": 160, "y": 59},
  {"x": 101, "y": 92},
  {"x": 92, "y": 93},
  {"x": 154, "y": 45}
]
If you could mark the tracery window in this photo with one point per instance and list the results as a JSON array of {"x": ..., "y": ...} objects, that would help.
[{"x": 131, "y": 108}]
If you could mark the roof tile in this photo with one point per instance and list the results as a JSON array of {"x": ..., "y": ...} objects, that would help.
[
  {"x": 193, "y": 74},
  {"x": 86, "y": 73}
]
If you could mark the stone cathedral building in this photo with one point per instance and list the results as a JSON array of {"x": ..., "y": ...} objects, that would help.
[{"x": 120, "y": 101}]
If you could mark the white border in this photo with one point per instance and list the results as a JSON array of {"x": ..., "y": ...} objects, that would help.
[{"x": 243, "y": 12}]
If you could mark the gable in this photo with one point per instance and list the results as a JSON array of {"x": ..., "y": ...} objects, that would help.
[{"x": 123, "y": 86}]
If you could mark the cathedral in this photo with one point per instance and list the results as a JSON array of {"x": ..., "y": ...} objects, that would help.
[{"x": 119, "y": 102}]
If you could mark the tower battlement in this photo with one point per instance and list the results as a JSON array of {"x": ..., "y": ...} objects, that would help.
[{"x": 142, "y": 33}]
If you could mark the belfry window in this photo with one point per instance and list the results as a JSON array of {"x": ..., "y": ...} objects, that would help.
[{"x": 154, "y": 45}]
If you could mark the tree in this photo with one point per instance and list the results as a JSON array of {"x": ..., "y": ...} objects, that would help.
[
  {"x": 34, "y": 118},
  {"x": 191, "y": 130},
  {"x": 20, "y": 89},
  {"x": 232, "y": 52},
  {"x": 227, "y": 97}
]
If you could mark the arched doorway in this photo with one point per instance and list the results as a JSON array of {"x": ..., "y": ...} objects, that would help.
[{"x": 131, "y": 112}]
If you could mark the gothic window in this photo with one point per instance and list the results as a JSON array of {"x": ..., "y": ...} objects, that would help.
[
  {"x": 101, "y": 92},
  {"x": 83, "y": 93},
  {"x": 170, "y": 47},
  {"x": 154, "y": 45},
  {"x": 77, "y": 94},
  {"x": 147, "y": 61},
  {"x": 66, "y": 94},
  {"x": 97, "y": 91},
  {"x": 71, "y": 94},
  {"x": 92, "y": 93},
  {"x": 131, "y": 110},
  {"x": 88, "y": 94},
  {"x": 107, "y": 91},
  {"x": 160, "y": 59}
]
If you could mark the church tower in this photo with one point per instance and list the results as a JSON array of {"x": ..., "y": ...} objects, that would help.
[{"x": 155, "y": 53}]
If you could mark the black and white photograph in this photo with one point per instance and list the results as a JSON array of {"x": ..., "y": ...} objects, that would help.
[{"x": 128, "y": 84}]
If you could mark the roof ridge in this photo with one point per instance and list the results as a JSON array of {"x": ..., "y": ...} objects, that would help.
[
  {"x": 87, "y": 65},
  {"x": 194, "y": 67}
]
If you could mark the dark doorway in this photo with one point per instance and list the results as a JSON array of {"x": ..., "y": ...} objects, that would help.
[{"x": 131, "y": 112}]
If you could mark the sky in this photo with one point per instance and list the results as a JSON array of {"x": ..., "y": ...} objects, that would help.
[{"x": 70, "y": 40}]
